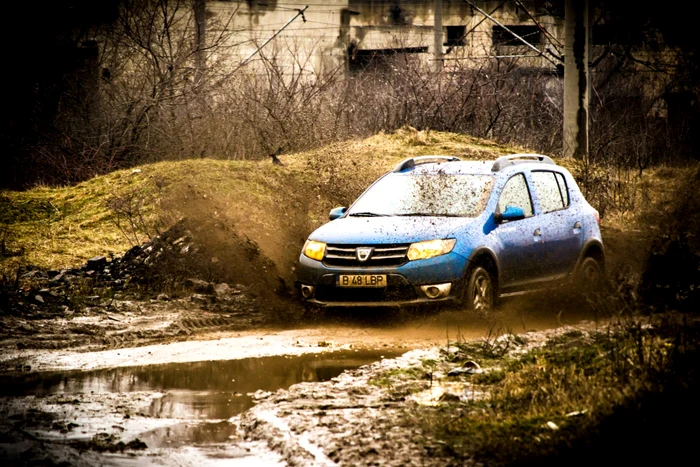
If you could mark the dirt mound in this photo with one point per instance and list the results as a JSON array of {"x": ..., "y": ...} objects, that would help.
[{"x": 193, "y": 251}]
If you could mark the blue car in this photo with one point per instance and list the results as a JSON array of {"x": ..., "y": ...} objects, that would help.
[{"x": 439, "y": 230}]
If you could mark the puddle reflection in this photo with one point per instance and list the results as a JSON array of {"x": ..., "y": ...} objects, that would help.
[{"x": 215, "y": 390}]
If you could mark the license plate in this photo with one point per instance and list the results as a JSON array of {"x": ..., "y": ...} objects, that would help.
[{"x": 362, "y": 280}]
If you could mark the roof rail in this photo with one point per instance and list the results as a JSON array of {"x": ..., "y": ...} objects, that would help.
[
  {"x": 504, "y": 161},
  {"x": 414, "y": 161}
]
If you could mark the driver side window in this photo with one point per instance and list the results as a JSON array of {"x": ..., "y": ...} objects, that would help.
[{"x": 515, "y": 193}]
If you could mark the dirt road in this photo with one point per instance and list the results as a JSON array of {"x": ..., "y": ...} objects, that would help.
[{"x": 179, "y": 400}]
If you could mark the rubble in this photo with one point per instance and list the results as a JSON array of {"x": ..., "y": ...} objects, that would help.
[{"x": 142, "y": 282}]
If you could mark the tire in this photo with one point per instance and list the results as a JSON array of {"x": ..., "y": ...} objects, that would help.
[
  {"x": 589, "y": 278},
  {"x": 479, "y": 295}
]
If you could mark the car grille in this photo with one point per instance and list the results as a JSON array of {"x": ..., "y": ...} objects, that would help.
[
  {"x": 382, "y": 255},
  {"x": 393, "y": 293}
]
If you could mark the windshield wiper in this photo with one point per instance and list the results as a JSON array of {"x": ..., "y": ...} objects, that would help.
[
  {"x": 366, "y": 214},
  {"x": 426, "y": 214}
]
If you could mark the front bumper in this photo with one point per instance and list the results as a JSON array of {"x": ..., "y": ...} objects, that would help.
[{"x": 403, "y": 282}]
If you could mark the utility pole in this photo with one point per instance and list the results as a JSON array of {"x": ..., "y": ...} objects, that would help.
[
  {"x": 437, "y": 31},
  {"x": 576, "y": 79},
  {"x": 200, "y": 19}
]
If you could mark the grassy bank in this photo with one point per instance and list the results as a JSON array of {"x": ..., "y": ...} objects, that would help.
[{"x": 618, "y": 394}]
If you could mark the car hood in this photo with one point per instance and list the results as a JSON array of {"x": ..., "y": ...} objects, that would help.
[{"x": 377, "y": 230}]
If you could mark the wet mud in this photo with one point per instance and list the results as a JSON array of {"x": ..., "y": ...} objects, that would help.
[
  {"x": 173, "y": 413},
  {"x": 206, "y": 399}
]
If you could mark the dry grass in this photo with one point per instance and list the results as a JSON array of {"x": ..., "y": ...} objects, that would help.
[{"x": 560, "y": 404}]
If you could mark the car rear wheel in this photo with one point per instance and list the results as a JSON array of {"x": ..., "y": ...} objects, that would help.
[
  {"x": 589, "y": 277},
  {"x": 479, "y": 295}
]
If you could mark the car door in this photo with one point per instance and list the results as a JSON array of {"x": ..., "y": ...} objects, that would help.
[
  {"x": 520, "y": 241},
  {"x": 561, "y": 228}
]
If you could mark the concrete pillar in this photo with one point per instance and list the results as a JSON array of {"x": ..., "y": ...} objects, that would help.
[
  {"x": 576, "y": 79},
  {"x": 437, "y": 32}
]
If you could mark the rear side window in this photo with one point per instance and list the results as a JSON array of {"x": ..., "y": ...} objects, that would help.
[
  {"x": 563, "y": 189},
  {"x": 551, "y": 189},
  {"x": 515, "y": 193}
]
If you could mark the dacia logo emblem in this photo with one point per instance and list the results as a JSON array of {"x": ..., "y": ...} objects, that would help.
[{"x": 363, "y": 253}]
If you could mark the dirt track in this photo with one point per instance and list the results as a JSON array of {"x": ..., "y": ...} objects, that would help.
[{"x": 311, "y": 424}]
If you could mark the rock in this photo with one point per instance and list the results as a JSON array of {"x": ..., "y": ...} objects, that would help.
[
  {"x": 56, "y": 279},
  {"x": 200, "y": 286},
  {"x": 469, "y": 368},
  {"x": 92, "y": 300},
  {"x": 203, "y": 299},
  {"x": 552, "y": 426},
  {"x": 180, "y": 240},
  {"x": 96, "y": 263},
  {"x": 163, "y": 297},
  {"x": 133, "y": 252},
  {"x": 222, "y": 289},
  {"x": 39, "y": 298},
  {"x": 260, "y": 394}
]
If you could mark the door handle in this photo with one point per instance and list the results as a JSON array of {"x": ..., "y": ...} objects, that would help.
[
  {"x": 537, "y": 235},
  {"x": 577, "y": 228}
]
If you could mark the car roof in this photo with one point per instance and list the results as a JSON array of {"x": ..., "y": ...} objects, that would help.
[{"x": 454, "y": 166}]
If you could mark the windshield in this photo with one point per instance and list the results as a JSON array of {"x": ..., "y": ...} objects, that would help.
[{"x": 425, "y": 194}]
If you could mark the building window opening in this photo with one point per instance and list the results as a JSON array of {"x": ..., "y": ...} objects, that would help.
[
  {"x": 377, "y": 60},
  {"x": 503, "y": 37},
  {"x": 456, "y": 35}
]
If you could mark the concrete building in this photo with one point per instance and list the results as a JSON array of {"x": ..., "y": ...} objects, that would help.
[{"x": 360, "y": 34}]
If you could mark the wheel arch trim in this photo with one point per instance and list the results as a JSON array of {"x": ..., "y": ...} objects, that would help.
[{"x": 482, "y": 252}]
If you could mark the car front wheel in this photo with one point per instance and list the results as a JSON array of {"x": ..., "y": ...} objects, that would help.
[{"x": 480, "y": 295}]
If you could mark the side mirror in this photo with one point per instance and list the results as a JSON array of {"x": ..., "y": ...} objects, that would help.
[
  {"x": 512, "y": 213},
  {"x": 336, "y": 213}
]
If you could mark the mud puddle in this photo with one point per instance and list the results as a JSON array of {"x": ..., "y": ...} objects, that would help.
[
  {"x": 201, "y": 390},
  {"x": 183, "y": 412}
]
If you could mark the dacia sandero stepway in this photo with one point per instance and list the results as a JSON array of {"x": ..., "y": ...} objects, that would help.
[{"x": 437, "y": 229}]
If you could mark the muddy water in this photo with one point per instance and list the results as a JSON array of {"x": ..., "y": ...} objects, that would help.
[{"x": 195, "y": 392}]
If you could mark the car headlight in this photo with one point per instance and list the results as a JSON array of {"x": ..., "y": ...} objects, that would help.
[
  {"x": 430, "y": 248},
  {"x": 314, "y": 250}
]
